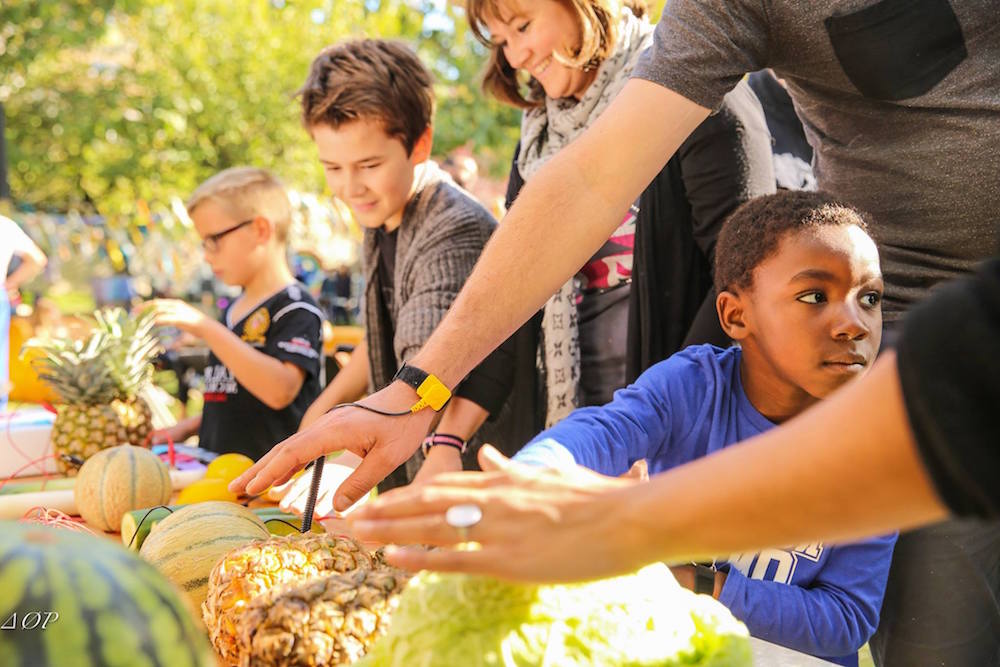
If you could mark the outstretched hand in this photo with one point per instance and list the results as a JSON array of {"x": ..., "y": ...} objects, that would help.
[
  {"x": 383, "y": 443},
  {"x": 538, "y": 524}
]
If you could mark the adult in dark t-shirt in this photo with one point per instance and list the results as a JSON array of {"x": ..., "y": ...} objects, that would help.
[
  {"x": 286, "y": 326},
  {"x": 900, "y": 100}
]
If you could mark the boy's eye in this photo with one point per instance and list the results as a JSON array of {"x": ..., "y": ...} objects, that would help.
[
  {"x": 524, "y": 27},
  {"x": 370, "y": 166},
  {"x": 812, "y": 297},
  {"x": 871, "y": 299},
  {"x": 332, "y": 168}
]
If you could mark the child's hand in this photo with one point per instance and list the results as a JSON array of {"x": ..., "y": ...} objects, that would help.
[
  {"x": 177, "y": 313},
  {"x": 164, "y": 435},
  {"x": 439, "y": 459}
]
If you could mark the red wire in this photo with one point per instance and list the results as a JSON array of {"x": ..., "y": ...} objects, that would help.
[
  {"x": 46, "y": 475},
  {"x": 17, "y": 472}
]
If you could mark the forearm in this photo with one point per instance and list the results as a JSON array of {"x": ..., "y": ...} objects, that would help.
[
  {"x": 819, "y": 621},
  {"x": 28, "y": 269},
  {"x": 560, "y": 218},
  {"x": 462, "y": 418},
  {"x": 185, "y": 428},
  {"x": 267, "y": 378},
  {"x": 853, "y": 471}
]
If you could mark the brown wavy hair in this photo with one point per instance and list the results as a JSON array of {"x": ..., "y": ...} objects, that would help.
[
  {"x": 370, "y": 79},
  {"x": 599, "y": 34}
]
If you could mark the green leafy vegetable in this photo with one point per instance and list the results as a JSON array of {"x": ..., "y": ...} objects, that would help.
[{"x": 637, "y": 620}]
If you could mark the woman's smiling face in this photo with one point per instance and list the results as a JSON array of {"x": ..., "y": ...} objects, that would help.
[{"x": 531, "y": 33}]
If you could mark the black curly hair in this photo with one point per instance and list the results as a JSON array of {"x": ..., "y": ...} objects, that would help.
[{"x": 752, "y": 232}]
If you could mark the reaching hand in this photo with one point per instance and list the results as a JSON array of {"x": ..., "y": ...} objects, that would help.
[
  {"x": 295, "y": 494},
  {"x": 382, "y": 442},
  {"x": 537, "y": 525},
  {"x": 177, "y": 313}
]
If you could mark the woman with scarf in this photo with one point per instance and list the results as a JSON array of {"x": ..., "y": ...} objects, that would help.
[{"x": 647, "y": 292}]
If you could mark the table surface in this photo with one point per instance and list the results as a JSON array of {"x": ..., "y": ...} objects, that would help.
[{"x": 765, "y": 654}]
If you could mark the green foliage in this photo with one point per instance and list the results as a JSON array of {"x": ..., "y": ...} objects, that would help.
[{"x": 109, "y": 103}]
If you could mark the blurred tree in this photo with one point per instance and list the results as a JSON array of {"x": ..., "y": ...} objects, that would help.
[{"x": 109, "y": 103}]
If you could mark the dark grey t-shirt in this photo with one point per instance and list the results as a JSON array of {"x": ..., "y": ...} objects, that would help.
[{"x": 899, "y": 98}]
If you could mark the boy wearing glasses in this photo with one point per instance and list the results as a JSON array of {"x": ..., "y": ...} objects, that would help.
[{"x": 263, "y": 370}]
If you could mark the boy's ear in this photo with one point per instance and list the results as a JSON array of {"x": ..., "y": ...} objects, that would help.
[
  {"x": 422, "y": 148},
  {"x": 732, "y": 314},
  {"x": 263, "y": 229}
]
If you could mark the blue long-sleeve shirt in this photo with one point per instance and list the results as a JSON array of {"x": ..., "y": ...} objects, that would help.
[{"x": 692, "y": 405}]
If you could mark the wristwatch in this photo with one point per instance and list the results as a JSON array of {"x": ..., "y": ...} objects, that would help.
[
  {"x": 432, "y": 391},
  {"x": 704, "y": 579}
]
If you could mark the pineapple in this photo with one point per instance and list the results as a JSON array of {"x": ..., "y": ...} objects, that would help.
[
  {"x": 98, "y": 382},
  {"x": 253, "y": 569},
  {"x": 332, "y": 620}
]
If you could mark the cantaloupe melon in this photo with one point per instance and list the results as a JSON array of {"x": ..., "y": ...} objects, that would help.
[
  {"x": 117, "y": 480},
  {"x": 70, "y": 598},
  {"x": 137, "y": 524},
  {"x": 186, "y": 545}
]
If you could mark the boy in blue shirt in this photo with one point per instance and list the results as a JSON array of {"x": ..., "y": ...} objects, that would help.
[{"x": 799, "y": 288}]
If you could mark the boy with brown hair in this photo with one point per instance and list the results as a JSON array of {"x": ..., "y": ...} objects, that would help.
[
  {"x": 368, "y": 105},
  {"x": 263, "y": 369}
]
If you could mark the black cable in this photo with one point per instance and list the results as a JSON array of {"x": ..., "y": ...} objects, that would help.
[
  {"x": 307, "y": 514},
  {"x": 370, "y": 409},
  {"x": 143, "y": 520}
]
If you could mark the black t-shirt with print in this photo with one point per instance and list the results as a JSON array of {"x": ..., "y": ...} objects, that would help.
[{"x": 286, "y": 326}]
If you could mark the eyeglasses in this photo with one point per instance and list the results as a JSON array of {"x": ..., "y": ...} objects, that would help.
[{"x": 211, "y": 242}]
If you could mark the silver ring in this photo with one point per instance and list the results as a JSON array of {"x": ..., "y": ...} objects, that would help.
[{"x": 463, "y": 517}]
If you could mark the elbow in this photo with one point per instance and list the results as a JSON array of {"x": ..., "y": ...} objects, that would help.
[
  {"x": 279, "y": 399},
  {"x": 858, "y": 627},
  {"x": 280, "y": 395}
]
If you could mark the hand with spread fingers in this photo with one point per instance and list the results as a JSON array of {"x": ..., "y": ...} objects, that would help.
[
  {"x": 527, "y": 523},
  {"x": 383, "y": 443}
]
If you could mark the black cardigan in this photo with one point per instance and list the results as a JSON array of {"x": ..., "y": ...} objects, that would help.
[{"x": 723, "y": 163}]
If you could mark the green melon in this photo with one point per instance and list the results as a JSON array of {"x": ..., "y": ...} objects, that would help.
[
  {"x": 186, "y": 545},
  {"x": 137, "y": 524},
  {"x": 69, "y": 598},
  {"x": 117, "y": 480}
]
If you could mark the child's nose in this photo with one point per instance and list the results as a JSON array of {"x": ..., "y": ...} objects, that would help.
[
  {"x": 849, "y": 322},
  {"x": 354, "y": 186}
]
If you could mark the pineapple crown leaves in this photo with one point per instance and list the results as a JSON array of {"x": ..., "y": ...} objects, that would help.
[{"x": 113, "y": 363}]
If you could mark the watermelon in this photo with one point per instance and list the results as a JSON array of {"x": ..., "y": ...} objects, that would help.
[
  {"x": 70, "y": 598},
  {"x": 186, "y": 545},
  {"x": 117, "y": 480}
]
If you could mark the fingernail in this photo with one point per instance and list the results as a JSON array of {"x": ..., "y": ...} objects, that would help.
[{"x": 340, "y": 503}]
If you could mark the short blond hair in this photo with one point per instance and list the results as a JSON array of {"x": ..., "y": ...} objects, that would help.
[{"x": 245, "y": 193}]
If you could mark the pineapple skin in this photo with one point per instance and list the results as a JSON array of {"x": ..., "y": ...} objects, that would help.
[
  {"x": 98, "y": 382},
  {"x": 254, "y": 569},
  {"x": 332, "y": 620},
  {"x": 84, "y": 430}
]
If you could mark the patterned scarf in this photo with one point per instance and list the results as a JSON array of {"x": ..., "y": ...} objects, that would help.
[{"x": 544, "y": 132}]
